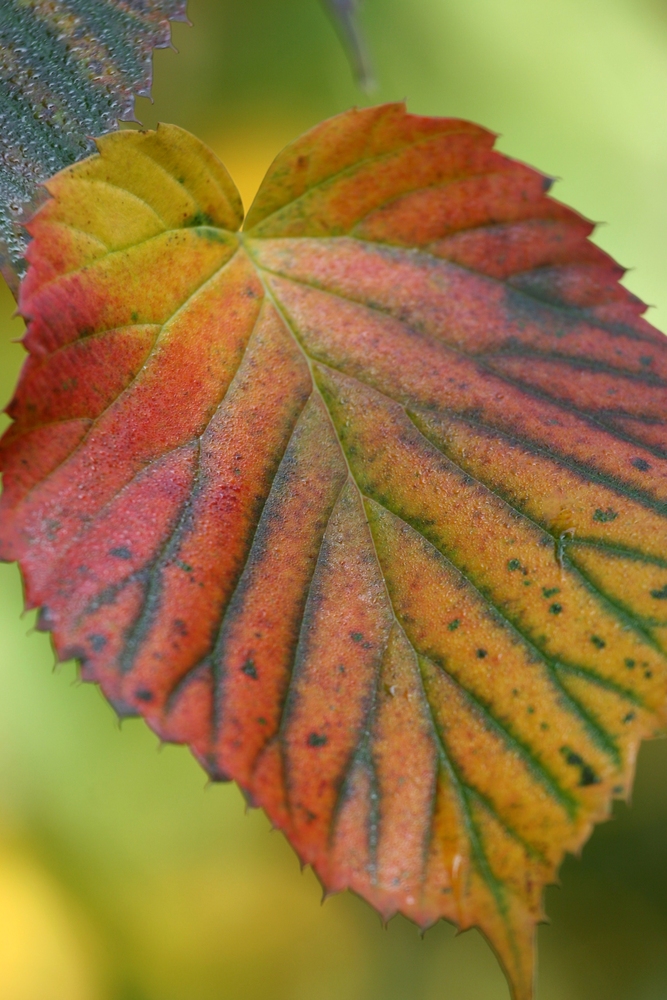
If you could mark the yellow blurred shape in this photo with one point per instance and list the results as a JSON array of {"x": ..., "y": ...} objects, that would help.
[
  {"x": 46, "y": 950},
  {"x": 247, "y": 153},
  {"x": 255, "y": 928}
]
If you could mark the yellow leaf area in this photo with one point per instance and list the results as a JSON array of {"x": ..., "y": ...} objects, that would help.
[{"x": 365, "y": 503}]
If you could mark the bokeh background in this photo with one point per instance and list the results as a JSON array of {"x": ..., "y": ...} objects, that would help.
[{"x": 122, "y": 877}]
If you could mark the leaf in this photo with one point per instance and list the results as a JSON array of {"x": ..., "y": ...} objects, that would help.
[
  {"x": 366, "y": 504},
  {"x": 343, "y": 13},
  {"x": 68, "y": 71}
]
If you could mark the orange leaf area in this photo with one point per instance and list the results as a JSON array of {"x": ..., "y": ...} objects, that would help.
[{"x": 366, "y": 503}]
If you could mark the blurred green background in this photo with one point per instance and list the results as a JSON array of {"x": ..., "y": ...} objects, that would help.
[{"x": 122, "y": 877}]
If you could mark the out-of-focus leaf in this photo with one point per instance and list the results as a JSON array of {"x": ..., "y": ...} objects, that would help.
[
  {"x": 69, "y": 70},
  {"x": 366, "y": 504},
  {"x": 343, "y": 13}
]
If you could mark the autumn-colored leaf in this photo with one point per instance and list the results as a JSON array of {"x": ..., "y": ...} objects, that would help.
[
  {"x": 366, "y": 503},
  {"x": 68, "y": 70}
]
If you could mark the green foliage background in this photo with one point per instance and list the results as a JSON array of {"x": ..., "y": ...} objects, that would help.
[{"x": 121, "y": 877}]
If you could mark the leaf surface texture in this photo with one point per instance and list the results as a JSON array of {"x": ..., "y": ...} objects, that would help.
[
  {"x": 69, "y": 70},
  {"x": 365, "y": 503}
]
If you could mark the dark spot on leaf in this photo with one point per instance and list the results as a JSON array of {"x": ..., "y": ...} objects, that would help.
[
  {"x": 143, "y": 694},
  {"x": 262, "y": 720},
  {"x": 648, "y": 674},
  {"x": 513, "y": 564},
  {"x": 629, "y": 663},
  {"x": 605, "y": 515},
  {"x": 645, "y": 359},
  {"x": 641, "y": 464},
  {"x": 453, "y": 625},
  {"x": 180, "y": 627},
  {"x": 201, "y": 219},
  {"x": 588, "y": 775},
  {"x": 186, "y": 567},
  {"x": 135, "y": 316},
  {"x": 550, "y": 591},
  {"x": 481, "y": 653},
  {"x": 52, "y": 529},
  {"x": 356, "y": 636},
  {"x": 629, "y": 717},
  {"x": 249, "y": 669},
  {"x": 555, "y": 609},
  {"x": 598, "y": 642},
  {"x": 98, "y": 642},
  {"x": 660, "y": 595},
  {"x": 530, "y": 710},
  {"x": 122, "y": 552},
  {"x": 317, "y": 740}
]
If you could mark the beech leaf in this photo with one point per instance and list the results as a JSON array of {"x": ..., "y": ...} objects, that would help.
[
  {"x": 365, "y": 503},
  {"x": 68, "y": 71}
]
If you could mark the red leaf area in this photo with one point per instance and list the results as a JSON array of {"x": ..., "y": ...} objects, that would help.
[{"x": 366, "y": 503}]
